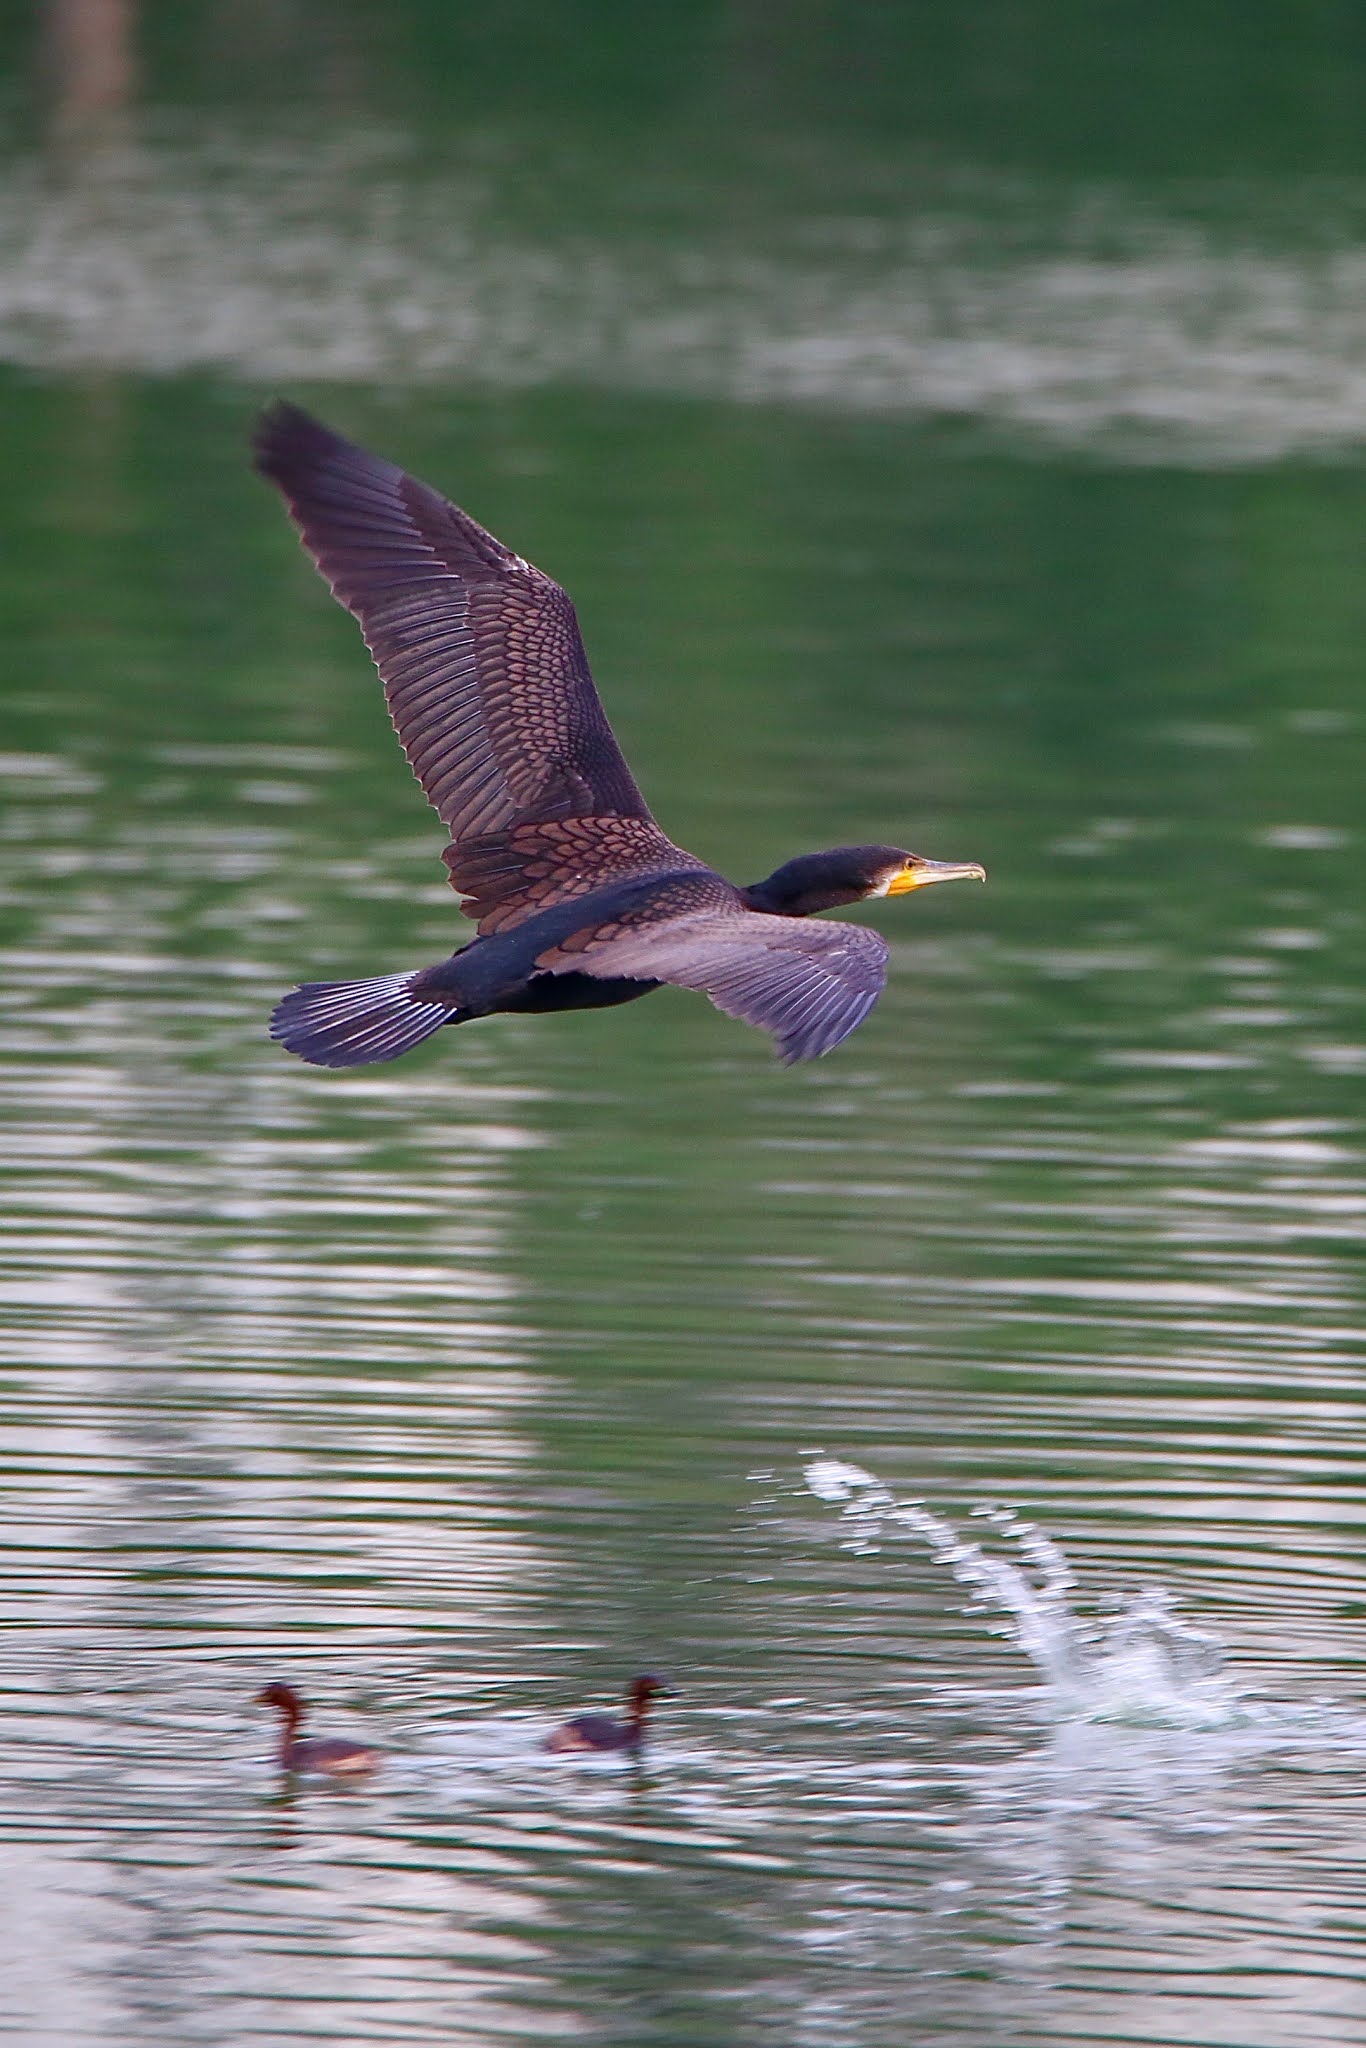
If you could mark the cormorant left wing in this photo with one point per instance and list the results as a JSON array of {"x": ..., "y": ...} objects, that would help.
[
  {"x": 808, "y": 984},
  {"x": 479, "y": 652}
]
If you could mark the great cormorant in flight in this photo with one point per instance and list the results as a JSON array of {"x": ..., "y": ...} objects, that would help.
[{"x": 579, "y": 898}]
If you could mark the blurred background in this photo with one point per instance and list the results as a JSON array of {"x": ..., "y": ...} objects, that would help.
[{"x": 949, "y": 420}]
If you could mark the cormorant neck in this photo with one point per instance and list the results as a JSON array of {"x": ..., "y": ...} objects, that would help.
[{"x": 810, "y": 883}]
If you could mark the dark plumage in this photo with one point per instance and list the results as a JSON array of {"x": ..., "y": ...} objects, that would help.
[
  {"x": 579, "y": 898},
  {"x": 332, "y": 1755},
  {"x": 600, "y": 1731}
]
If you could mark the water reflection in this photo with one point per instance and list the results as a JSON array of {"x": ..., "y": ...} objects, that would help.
[
  {"x": 1221, "y": 330},
  {"x": 89, "y": 59},
  {"x": 436, "y": 1390}
]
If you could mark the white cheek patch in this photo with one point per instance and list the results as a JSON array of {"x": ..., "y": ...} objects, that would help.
[{"x": 884, "y": 885}]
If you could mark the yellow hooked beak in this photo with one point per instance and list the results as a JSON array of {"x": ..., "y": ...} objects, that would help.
[{"x": 918, "y": 874}]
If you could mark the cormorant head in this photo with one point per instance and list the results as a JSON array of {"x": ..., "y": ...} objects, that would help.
[{"x": 851, "y": 874}]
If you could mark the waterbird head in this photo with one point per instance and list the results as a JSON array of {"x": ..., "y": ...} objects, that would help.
[
  {"x": 283, "y": 1697},
  {"x": 915, "y": 872},
  {"x": 851, "y": 874}
]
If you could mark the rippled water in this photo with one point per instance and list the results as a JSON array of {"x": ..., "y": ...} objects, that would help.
[{"x": 460, "y": 1390}]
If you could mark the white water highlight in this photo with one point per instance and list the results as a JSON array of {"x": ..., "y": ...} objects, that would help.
[{"x": 1139, "y": 1663}]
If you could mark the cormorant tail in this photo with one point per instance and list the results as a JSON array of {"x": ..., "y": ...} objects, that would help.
[{"x": 357, "y": 1023}]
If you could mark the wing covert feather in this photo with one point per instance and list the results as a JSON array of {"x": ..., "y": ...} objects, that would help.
[{"x": 507, "y": 877}]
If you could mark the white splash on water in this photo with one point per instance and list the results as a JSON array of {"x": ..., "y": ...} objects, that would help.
[{"x": 1140, "y": 1664}]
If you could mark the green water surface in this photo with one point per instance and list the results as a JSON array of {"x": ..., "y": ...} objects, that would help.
[{"x": 947, "y": 422}]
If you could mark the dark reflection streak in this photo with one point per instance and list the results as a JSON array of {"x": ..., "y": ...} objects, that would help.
[
  {"x": 283, "y": 1802},
  {"x": 89, "y": 58},
  {"x": 285, "y": 1805}
]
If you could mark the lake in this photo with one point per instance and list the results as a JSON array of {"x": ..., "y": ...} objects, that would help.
[{"x": 970, "y": 1424}]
